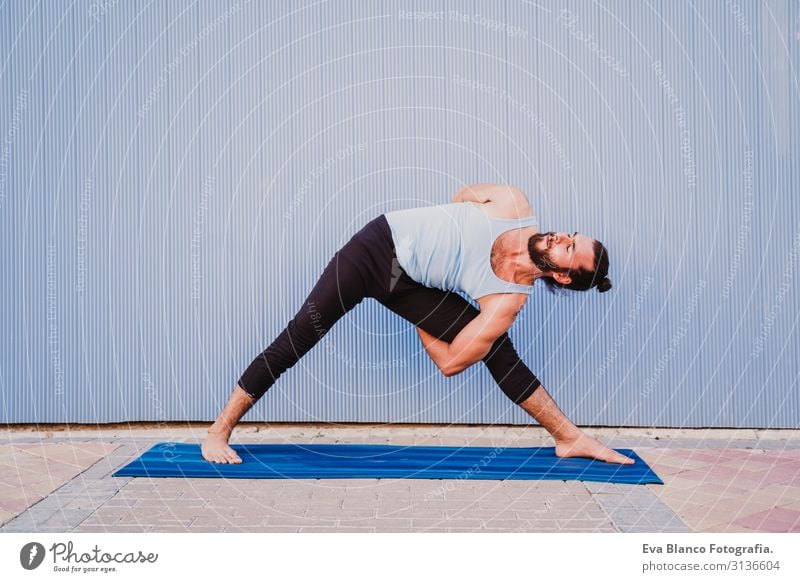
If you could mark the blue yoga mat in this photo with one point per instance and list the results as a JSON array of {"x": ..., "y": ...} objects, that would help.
[{"x": 339, "y": 461}]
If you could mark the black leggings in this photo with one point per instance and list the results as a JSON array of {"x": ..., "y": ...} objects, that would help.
[{"x": 367, "y": 267}]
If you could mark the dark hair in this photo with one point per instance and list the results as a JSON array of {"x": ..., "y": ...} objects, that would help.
[{"x": 583, "y": 280}]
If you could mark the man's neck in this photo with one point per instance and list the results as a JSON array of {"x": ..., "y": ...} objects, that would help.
[{"x": 521, "y": 267}]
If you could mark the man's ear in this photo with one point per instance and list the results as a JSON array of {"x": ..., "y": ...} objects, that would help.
[{"x": 562, "y": 278}]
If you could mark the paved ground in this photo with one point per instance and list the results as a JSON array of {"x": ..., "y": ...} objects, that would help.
[{"x": 715, "y": 481}]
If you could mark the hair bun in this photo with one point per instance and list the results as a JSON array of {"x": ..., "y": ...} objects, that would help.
[{"x": 604, "y": 285}]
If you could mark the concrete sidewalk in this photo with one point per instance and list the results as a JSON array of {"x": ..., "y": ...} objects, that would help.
[{"x": 715, "y": 481}]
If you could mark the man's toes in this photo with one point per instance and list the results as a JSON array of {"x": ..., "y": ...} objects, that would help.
[{"x": 620, "y": 458}]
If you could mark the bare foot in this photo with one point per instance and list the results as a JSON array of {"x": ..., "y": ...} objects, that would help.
[
  {"x": 216, "y": 449},
  {"x": 586, "y": 446}
]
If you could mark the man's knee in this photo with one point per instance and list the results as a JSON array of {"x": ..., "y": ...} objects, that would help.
[
  {"x": 509, "y": 371},
  {"x": 502, "y": 349}
]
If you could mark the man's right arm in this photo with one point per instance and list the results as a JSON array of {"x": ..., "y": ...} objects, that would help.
[{"x": 474, "y": 341}]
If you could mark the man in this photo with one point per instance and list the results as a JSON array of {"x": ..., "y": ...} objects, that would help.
[{"x": 487, "y": 244}]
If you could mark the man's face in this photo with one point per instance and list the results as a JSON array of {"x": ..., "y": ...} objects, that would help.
[{"x": 560, "y": 251}]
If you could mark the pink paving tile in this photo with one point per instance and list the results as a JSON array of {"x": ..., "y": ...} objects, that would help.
[
  {"x": 771, "y": 459},
  {"x": 720, "y": 474},
  {"x": 662, "y": 469},
  {"x": 775, "y": 520},
  {"x": 677, "y": 461},
  {"x": 38, "y": 470},
  {"x": 66, "y": 454},
  {"x": 14, "y": 505},
  {"x": 726, "y": 489},
  {"x": 8, "y": 457},
  {"x": 778, "y": 495},
  {"x": 712, "y": 455},
  {"x": 724, "y": 528},
  {"x": 679, "y": 481},
  {"x": 783, "y": 475},
  {"x": 21, "y": 474},
  {"x": 680, "y": 506},
  {"x": 792, "y": 505},
  {"x": 699, "y": 517}
]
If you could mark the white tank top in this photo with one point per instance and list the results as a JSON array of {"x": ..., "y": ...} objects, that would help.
[{"x": 449, "y": 247}]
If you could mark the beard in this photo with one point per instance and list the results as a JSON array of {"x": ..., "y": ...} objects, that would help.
[{"x": 541, "y": 259}]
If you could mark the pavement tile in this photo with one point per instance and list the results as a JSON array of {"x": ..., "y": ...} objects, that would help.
[
  {"x": 778, "y": 520},
  {"x": 662, "y": 469},
  {"x": 413, "y": 512},
  {"x": 726, "y": 489},
  {"x": 585, "y": 525},
  {"x": 724, "y": 528},
  {"x": 703, "y": 517},
  {"x": 593, "y": 512},
  {"x": 262, "y": 529},
  {"x": 795, "y": 505},
  {"x": 503, "y": 505},
  {"x": 677, "y": 483},
  {"x": 287, "y": 520},
  {"x": 39, "y": 471},
  {"x": 109, "y": 529},
  {"x": 421, "y": 523},
  {"x": 523, "y": 529},
  {"x": 719, "y": 455},
  {"x": 672, "y": 460},
  {"x": 786, "y": 474},
  {"x": 154, "y": 522},
  {"x": 336, "y": 529},
  {"x": 14, "y": 506},
  {"x": 338, "y": 513},
  {"x": 382, "y": 523},
  {"x": 696, "y": 496},
  {"x": 651, "y": 529},
  {"x": 211, "y": 521},
  {"x": 774, "y": 495},
  {"x": 721, "y": 474},
  {"x": 774, "y": 459},
  {"x": 485, "y": 515},
  {"x": 104, "y": 521}
]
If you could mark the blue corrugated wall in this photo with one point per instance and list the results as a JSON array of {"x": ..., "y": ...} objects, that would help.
[{"x": 175, "y": 175}]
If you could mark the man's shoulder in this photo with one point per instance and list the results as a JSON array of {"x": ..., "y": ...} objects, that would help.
[{"x": 509, "y": 304}]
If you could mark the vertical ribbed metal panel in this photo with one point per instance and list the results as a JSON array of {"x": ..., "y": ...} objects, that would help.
[{"x": 175, "y": 176}]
